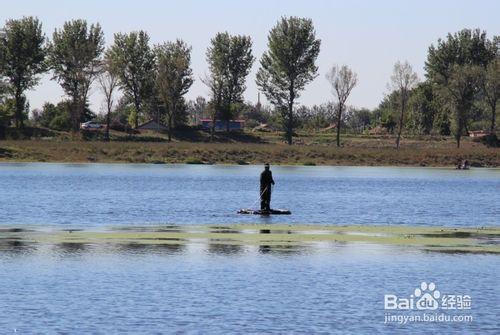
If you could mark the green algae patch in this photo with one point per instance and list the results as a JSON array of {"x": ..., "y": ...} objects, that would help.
[{"x": 438, "y": 239}]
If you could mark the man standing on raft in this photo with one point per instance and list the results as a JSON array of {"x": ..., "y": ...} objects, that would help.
[{"x": 266, "y": 180}]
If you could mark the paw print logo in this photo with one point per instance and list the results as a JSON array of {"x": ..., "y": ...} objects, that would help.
[{"x": 427, "y": 296}]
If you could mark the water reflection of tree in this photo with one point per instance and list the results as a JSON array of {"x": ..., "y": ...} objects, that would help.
[
  {"x": 275, "y": 231},
  {"x": 172, "y": 247},
  {"x": 15, "y": 245},
  {"x": 282, "y": 249},
  {"x": 224, "y": 248},
  {"x": 72, "y": 248}
]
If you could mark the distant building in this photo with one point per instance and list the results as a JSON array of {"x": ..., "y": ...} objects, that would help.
[
  {"x": 220, "y": 125},
  {"x": 152, "y": 125},
  {"x": 478, "y": 133}
]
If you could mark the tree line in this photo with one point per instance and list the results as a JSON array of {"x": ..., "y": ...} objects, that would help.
[{"x": 461, "y": 87}]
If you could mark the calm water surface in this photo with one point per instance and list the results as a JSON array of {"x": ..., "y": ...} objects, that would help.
[
  {"x": 111, "y": 194},
  {"x": 205, "y": 287},
  {"x": 214, "y": 289}
]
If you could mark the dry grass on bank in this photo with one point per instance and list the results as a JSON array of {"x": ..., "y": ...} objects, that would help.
[{"x": 356, "y": 151}]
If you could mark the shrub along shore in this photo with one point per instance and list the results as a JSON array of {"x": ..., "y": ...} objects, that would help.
[{"x": 356, "y": 151}]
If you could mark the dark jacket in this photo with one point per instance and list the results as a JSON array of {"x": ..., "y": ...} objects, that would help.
[{"x": 266, "y": 179}]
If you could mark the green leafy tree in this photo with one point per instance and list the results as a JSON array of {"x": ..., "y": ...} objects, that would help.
[
  {"x": 45, "y": 115},
  {"x": 58, "y": 116},
  {"x": 75, "y": 57},
  {"x": 217, "y": 59},
  {"x": 22, "y": 55},
  {"x": 359, "y": 120},
  {"x": 388, "y": 121},
  {"x": 315, "y": 117},
  {"x": 343, "y": 80},
  {"x": 385, "y": 114},
  {"x": 229, "y": 59},
  {"x": 490, "y": 86},
  {"x": 288, "y": 66},
  {"x": 7, "y": 109},
  {"x": 442, "y": 123},
  {"x": 423, "y": 107},
  {"x": 457, "y": 57},
  {"x": 460, "y": 92},
  {"x": 121, "y": 112},
  {"x": 196, "y": 110},
  {"x": 173, "y": 79},
  {"x": 134, "y": 60},
  {"x": 466, "y": 47},
  {"x": 240, "y": 61}
]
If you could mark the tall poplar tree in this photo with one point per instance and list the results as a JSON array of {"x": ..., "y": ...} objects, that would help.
[
  {"x": 173, "y": 79},
  {"x": 75, "y": 57},
  {"x": 22, "y": 55},
  {"x": 134, "y": 61},
  {"x": 288, "y": 66}
]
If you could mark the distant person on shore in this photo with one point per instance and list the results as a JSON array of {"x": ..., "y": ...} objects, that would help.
[
  {"x": 464, "y": 165},
  {"x": 266, "y": 180}
]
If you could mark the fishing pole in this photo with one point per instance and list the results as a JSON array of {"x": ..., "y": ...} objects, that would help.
[{"x": 261, "y": 194}]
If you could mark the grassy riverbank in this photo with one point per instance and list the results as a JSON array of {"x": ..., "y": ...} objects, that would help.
[
  {"x": 439, "y": 239},
  {"x": 356, "y": 151}
]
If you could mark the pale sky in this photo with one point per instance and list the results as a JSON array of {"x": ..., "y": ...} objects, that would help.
[{"x": 368, "y": 36}]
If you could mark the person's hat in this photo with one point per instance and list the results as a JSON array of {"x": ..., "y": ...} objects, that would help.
[{"x": 267, "y": 164}]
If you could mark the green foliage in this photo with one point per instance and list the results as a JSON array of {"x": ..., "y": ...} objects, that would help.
[
  {"x": 132, "y": 117},
  {"x": 239, "y": 65},
  {"x": 316, "y": 117},
  {"x": 58, "y": 117},
  {"x": 388, "y": 121},
  {"x": 455, "y": 66},
  {"x": 75, "y": 59},
  {"x": 196, "y": 110},
  {"x": 490, "y": 87},
  {"x": 288, "y": 65},
  {"x": 217, "y": 58},
  {"x": 173, "y": 80},
  {"x": 122, "y": 111},
  {"x": 46, "y": 115},
  {"x": 61, "y": 121},
  {"x": 22, "y": 55},
  {"x": 255, "y": 114},
  {"x": 230, "y": 60},
  {"x": 442, "y": 123},
  {"x": 466, "y": 47},
  {"x": 385, "y": 113},
  {"x": 132, "y": 58},
  {"x": 359, "y": 120},
  {"x": 423, "y": 108},
  {"x": 7, "y": 111},
  {"x": 461, "y": 91}
]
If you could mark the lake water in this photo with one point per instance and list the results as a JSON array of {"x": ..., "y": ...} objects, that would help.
[
  {"x": 114, "y": 194},
  {"x": 216, "y": 289},
  {"x": 212, "y": 288}
]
